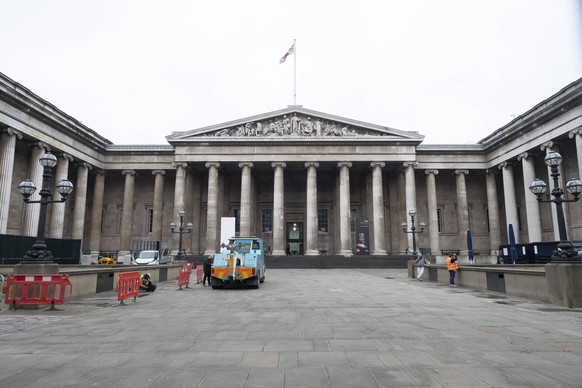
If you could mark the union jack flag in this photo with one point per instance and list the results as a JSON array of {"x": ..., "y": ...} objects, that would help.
[{"x": 289, "y": 52}]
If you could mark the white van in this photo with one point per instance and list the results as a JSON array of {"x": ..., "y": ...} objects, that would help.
[{"x": 151, "y": 258}]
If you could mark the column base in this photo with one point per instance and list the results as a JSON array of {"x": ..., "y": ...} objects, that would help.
[
  {"x": 278, "y": 253},
  {"x": 209, "y": 252},
  {"x": 311, "y": 252},
  {"x": 380, "y": 252},
  {"x": 346, "y": 253}
]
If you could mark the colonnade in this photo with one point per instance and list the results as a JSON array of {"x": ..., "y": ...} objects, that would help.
[{"x": 9, "y": 136}]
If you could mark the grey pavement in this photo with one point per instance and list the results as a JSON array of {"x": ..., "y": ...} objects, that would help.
[{"x": 302, "y": 328}]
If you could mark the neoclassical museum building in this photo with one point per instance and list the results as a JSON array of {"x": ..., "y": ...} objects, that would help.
[{"x": 297, "y": 178}]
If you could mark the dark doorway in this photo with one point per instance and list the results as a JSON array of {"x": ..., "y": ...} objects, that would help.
[{"x": 295, "y": 238}]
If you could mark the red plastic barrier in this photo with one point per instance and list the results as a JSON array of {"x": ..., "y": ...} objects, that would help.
[
  {"x": 36, "y": 289},
  {"x": 189, "y": 266},
  {"x": 184, "y": 277},
  {"x": 128, "y": 286},
  {"x": 198, "y": 274}
]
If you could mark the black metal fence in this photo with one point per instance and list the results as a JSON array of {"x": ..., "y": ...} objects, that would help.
[{"x": 13, "y": 248}]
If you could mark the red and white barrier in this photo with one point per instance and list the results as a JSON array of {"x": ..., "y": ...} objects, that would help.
[
  {"x": 199, "y": 274},
  {"x": 128, "y": 285},
  {"x": 36, "y": 290}
]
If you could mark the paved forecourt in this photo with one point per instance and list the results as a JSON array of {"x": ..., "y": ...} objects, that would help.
[{"x": 302, "y": 328}]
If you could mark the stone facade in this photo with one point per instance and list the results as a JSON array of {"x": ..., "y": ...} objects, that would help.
[{"x": 292, "y": 168}]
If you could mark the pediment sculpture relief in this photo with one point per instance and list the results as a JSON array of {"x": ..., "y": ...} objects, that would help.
[{"x": 294, "y": 125}]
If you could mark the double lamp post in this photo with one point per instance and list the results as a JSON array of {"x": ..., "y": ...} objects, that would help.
[
  {"x": 181, "y": 231},
  {"x": 553, "y": 160},
  {"x": 39, "y": 254},
  {"x": 404, "y": 226}
]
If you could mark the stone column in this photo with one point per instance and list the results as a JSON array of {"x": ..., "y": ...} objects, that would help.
[
  {"x": 127, "y": 217},
  {"x": 577, "y": 135},
  {"x": 57, "y": 220},
  {"x": 32, "y": 210},
  {"x": 345, "y": 230},
  {"x": 212, "y": 211},
  {"x": 532, "y": 207},
  {"x": 8, "y": 138},
  {"x": 378, "y": 208},
  {"x": 179, "y": 201},
  {"x": 196, "y": 212},
  {"x": 509, "y": 197},
  {"x": 80, "y": 202},
  {"x": 433, "y": 220},
  {"x": 548, "y": 147},
  {"x": 157, "y": 222},
  {"x": 245, "y": 198},
  {"x": 279, "y": 209},
  {"x": 311, "y": 219},
  {"x": 97, "y": 213},
  {"x": 410, "y": 195},
  {"x": 493, "y": 210},
  {"x": 462, "y": 209}
]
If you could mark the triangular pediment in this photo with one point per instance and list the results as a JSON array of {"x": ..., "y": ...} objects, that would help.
[{"x": 294, "y": 122}]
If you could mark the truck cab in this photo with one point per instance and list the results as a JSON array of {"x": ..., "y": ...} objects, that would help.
[{"x": 243, "y": 263}]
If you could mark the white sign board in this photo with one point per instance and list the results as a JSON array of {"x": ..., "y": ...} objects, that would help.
[{"x": 227, "y": 230}]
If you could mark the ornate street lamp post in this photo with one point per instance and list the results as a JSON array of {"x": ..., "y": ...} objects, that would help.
[
  {"x": 574, "y": 187},
  {"x": 404, "y": 226},
  {"x": 39, "y": 253},
  {"x": 181, "y": 231}
]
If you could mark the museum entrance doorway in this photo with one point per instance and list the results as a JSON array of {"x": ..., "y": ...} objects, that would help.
[{"x": 294, "y": 238}]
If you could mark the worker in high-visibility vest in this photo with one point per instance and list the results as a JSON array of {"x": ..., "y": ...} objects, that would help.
[{"x": 452, "y": 266}]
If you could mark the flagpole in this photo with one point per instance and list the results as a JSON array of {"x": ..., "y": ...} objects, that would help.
[{"x": 295, "y": 72}]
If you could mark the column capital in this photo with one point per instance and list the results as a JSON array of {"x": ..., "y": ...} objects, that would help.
[
  {"x": 279, "y": 164},
  {"x": 245, "y": 164},
  {"x": 130, "y": 172},
  {"x": 574, "y": 132},
  {"x": 64, "y": 155},
  {"x": 547, "y": 146},
  {"x": 184, "y": 165},
  {"x": 524, "y": 155},
  {"x": 434, "y": 172},
  {"x": 160, "y": 172},
  {"x": 492, "y": 171},
  {"x": 84, "y": 164},
  {"x": 99, "y": 172},
  {"x": 344, "y": 164},
  {"x": 505, "y": 164},
  {"x": 311, "y": 164},
  {"x": 377, "y": 164},
  {"x": 40, "y": 144},
  {"x": 11, "y": 132},
  {"x": 461, "y": 172},
  {"x": 410, "y": 164},
  {"x": 212, "y": 164}
]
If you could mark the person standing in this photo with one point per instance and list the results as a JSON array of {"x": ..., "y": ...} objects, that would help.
[
  {"x": 207, "y": 268},
  {"x": 452, "y": 266},
  {"x": 421, "y": 264}
]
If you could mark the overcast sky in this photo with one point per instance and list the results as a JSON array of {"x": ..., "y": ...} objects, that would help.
[{"x": 136, "y": 71}]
